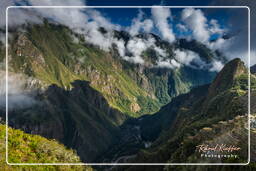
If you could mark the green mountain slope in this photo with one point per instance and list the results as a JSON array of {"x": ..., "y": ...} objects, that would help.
[
  {"x": 55, "y": 55},
  {"x": 84, "y": 93},
  {"x": 221, "y": 100},
  {"x": 208, "y": 114},
  {"x": 26, "y": 148},
  {"x": 49, "y": 53}
]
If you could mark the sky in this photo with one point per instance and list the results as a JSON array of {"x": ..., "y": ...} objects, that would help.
[{"x": 203, "y": 25}]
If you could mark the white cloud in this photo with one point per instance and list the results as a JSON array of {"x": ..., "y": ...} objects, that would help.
[
  {"x": 85, "y": 21},
  {"x": 185, "y": 56},
  {"x": 136, "y": 46},
  {"x": 147, "y": 25},
  {"x": 120, "y": 46},
  {"x": 57, "y": 2},
  {"x": 231, "y": 49},
  {"x": 193, "y": 60},
  {"x": 18, "y": 17},
  {"x": 88, "y": 22},
  {"x": 60, "y": 14},
  {"x": 197, "y": 23},
  {"x": 195, "y": 20},
  {"x": 18, "y": 96},
  {"x": 95, "y": 37},
  {"x": 181, "y": 27},
  {"x": 160, "y": 51},
  {"x": 139, "y": 24},
  {"x": 167, "y": 63},
  {"x": 219, "y": 44},
  {"x": 160, "y": 17},
  {"x": 216, "y": 66},
  {"x": 215, "y": 27},
  {"x": 175, "y": 63},
  {"x": 136, "y": 24}
]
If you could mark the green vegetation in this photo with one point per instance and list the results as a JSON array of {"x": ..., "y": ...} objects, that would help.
[
  {"x": 82, "y": 83},
  {"x": 208, "y": 114},
  {"x": 27, "y": 148},
  {"x": 49, "y": 53},
  {"x": 55, "y": 55}
]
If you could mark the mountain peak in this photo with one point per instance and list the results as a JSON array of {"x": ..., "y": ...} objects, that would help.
[{"x": 226, "y": 76}]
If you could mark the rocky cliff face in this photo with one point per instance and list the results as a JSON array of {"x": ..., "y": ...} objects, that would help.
[{"x": 226, "y": 78}]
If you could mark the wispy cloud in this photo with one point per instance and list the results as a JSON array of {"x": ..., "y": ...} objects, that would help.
[
  {"x": 136, "y": 46},
  {"x": 88, "y": 22},
  {"x": 140, "y": 24},
  {"x": 18, "y": 96},
  {"x": 161, "y": 17},
  {"x": 197, "y": 23}
]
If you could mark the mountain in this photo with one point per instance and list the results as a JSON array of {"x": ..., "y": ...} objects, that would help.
[
  {"x": 209, "y": 114},
  {"x": 213, "y": 98},
  {"x": 84, "y": 96},
  {"x": 79, "y": 117},
  {"x": 226, "y": 78},
  {"x": 24, "y": 148},
  {"x": 54, "y": 54}
]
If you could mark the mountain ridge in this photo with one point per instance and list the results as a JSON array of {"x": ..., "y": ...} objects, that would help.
[
  {"x": 189, "y": 116},
  {"x": 49, "y": 53},
  {"x": 127, "y": 87}
]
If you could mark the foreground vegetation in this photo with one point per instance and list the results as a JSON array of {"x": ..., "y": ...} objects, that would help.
[{"x": 26, "y": 148}]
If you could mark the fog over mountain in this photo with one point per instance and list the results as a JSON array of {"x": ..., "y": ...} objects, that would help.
[{"x": 194, "y": 22}]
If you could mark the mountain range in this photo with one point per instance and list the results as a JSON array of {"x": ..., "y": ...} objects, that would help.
[{"x": 112, "y": 110}]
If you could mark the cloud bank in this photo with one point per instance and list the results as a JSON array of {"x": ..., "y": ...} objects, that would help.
[{"x": 89, "y": 21}]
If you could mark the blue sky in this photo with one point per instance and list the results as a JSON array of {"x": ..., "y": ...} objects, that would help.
[{"x": 124, "y": 16}]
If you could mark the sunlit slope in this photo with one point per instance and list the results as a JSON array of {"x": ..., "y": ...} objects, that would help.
[{"x": 27, "y": 148}]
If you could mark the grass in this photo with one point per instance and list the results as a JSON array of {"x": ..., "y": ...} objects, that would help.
[{"x": 27, "y": 148}]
